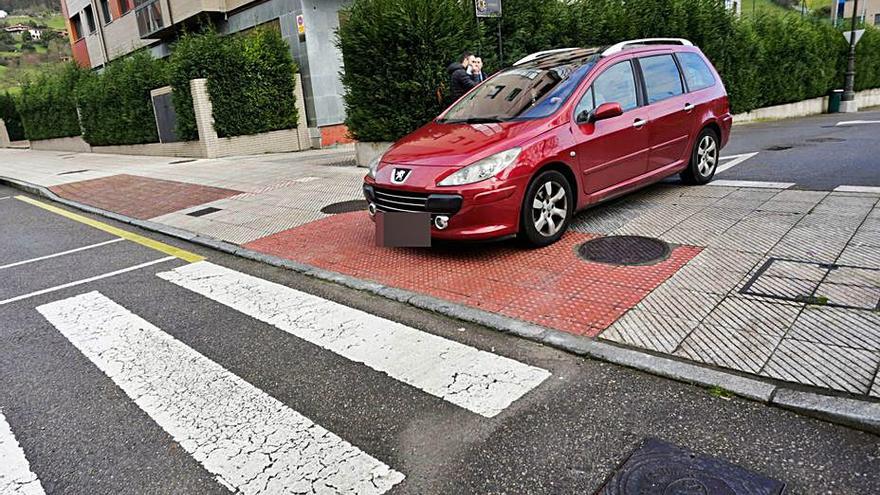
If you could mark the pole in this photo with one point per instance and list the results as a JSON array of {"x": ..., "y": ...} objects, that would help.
[
  {"x": 500, "y": 47},
  {"x": 848, "y": 101},
  {"x": 753, "y": 9}
]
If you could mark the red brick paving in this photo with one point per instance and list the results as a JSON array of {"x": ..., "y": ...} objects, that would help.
[
  {"x": 140, "y": 197},
  {"x": 550, "y": 286}
]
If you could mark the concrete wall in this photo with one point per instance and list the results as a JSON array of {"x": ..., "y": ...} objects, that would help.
[
  {"x": 814, "y": 106},
  {"x": 74, "y": 144},
  {"x": 122, "y": 36},
  {"x": 93, "y": 44}
]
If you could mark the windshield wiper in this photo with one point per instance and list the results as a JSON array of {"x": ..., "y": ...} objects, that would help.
[{"x": 474, "y": 120}]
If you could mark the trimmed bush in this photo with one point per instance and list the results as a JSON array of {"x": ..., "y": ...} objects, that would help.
[
  {"x": 47, "y": 104},
  {"x": 396, "y": 53},
  {"x": 115, "y": 106},
  {"x": 9, "y": 115},
  {"x": 251, "y": 81},
  {"x": 868, "y": 60}
]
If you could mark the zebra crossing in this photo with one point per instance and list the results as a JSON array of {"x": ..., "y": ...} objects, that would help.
[{"x": 248, "y": 440}]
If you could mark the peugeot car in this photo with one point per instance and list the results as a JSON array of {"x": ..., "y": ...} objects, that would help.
[{"x": 557, "y": 132}]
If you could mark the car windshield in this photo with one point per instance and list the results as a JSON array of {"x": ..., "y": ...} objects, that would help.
[{"x": 522, "y": 93}]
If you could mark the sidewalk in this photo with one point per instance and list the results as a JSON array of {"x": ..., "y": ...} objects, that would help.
[{"x": 781, "y": 284}]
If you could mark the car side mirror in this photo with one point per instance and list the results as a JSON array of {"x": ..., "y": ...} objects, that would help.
[{"x": 605, "y": 111}]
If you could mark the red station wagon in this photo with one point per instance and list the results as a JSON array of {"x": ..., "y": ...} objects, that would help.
[{"x": 557, "y": 132}]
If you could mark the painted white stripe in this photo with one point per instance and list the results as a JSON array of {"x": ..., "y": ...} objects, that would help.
[
  {"x": 751, "y": 183},
  {"x": 5, "y": 197},
  {"x": 86, "y": 280},
  {"x": 734, "y": 161},
  {"x": 63, "y": 253},
  {"x": 16, "y": 477},
  {"x": 476, "y": 380},
  {"x": 857, "y": 122},
  {"x": 250, "y": 441},
  {"x": 858, "y": 189}
]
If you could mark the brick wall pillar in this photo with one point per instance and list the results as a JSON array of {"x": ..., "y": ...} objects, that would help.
[
  {"x": 204, "y": 111},
  {"x": 4, "y": 135}
]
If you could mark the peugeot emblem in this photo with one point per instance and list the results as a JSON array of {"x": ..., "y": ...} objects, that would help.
[{"x": 399, "y": 175}]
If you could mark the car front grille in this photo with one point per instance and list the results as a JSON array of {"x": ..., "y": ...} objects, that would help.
[{"x": 393, "y": 200}]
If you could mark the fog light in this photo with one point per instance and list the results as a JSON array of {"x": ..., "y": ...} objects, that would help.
[
  {"x": 372, "y": 209},
  {"x": 441, "y": 222}
]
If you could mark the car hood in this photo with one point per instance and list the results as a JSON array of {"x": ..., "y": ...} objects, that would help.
[{"x": 459, "y": 144}]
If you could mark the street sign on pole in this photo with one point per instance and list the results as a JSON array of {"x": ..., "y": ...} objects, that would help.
[
  {"x": 488, "y": 8},
  {"x": 848, "y": 35}
]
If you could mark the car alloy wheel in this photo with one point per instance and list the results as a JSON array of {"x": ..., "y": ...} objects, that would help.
[
  {"x": 550, "y": 208},
  {"x": 707, "y": 155}
]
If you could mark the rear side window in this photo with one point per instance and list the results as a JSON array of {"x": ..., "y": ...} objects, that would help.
[
  {"x": 616, "y": 85},
  {"x": 662, "y": 79},
  {"x": 696, "y": 72}
]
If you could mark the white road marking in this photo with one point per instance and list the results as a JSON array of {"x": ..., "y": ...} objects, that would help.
[
  {"x": 5, "y": 197},
  {"x": 250, "y": 441},
  {"x": 86, "y": 280},
  {"x": 734, "y": 161},
  {"x": 858, "y": 189},
  {"x": 857, "y": 122},
  {"x": 751, "y": 183},
  {"x": 476, "y": 380},
  {"x": 16, "y": 477},
  {"x": 41, "y": 258}
]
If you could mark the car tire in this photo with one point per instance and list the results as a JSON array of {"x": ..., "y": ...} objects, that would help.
[
  {"x": 541, "y": 219},
  {"x": 704, "y": 158}
]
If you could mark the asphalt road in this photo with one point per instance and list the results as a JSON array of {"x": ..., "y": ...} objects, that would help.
[
  {"x": 81, "y": 431},
  {"x": 812, "y": 152}
]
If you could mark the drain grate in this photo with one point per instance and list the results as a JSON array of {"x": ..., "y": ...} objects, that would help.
[
  {"x": 203, "y": 212},
  {"x": 345, "y": 207},
  {"x": 181, "y": 161},
  {"x": 661, "y": 468},
  {"x": 74, "y": 172},
  {"x": 624, "y": 250},
  {"x": 781, "y": 147},
  {"x": 826, "y": 140}
]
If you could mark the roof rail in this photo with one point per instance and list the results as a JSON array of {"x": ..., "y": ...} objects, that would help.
[
  {"x": 623, "y": 45},
  {"x": 537, "y": 55}
]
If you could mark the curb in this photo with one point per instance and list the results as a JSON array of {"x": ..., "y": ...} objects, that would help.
[{"x": 860, "y": 414}]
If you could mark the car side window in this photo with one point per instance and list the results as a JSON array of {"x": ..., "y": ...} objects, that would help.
[
  {"x": 696, "y": 72},
  {"x": 662, "y": 79},
  {"x": 586, "y": 104},
  {"x": 616, "y": 85}
]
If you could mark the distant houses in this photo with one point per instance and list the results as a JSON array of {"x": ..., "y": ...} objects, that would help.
[
  {"x": 3, "y": 14},
  {"x": 17, "y": 29}
]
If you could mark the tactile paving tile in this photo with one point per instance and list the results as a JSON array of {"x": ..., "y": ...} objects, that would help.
[
  {"x": 751, "y": 314},
  {"x": 838, "y": 326},
  {"x": 680, "y": 303},
  {"x": 861, "y": 256},
  {"x": 736, "y": 348},
  {"x": 847, "y": 275},
  {"x": 605, "y": 220},
  {"x": 853, "y": 296},
  {"x": 822, "y": 365},
  {"x": 787, "y": 288},
  {"x": 648, "y": 330},
  {"x": 797, "y": 270}
]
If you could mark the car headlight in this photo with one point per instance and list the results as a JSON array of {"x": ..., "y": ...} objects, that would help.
[
  {"x": 483, "y": 169},
  {"x": 374, "y": 166}
]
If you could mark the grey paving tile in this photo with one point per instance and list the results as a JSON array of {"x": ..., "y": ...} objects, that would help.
[
  {"x": 707, "y": 280},
  {"x": 860, "y": 256},
  {"x": 850, "y": 295},
  {"x": 838, "y": 326},
  {"x": 854, "y": 276},
  {"x": 684, "y": 304},
  {"x": 648, "y": 330},
  {"x": 796, "y": 270},
  {"x": 746, "y": 314},
  {"x": 605, "y": 220},
  {"x": 794, "y": 195},
  {"x": 866, "y": 238},
  {"x": 787, "y": 206},
  {"x": 705, "y": 226},
  {"x": 823, "y": 365},
  {"x": 788, "y": 288},
  {"x": 739, "y": 349}
]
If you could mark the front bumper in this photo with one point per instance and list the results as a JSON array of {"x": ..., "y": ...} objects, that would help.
[{"x": 479, "y": 212}]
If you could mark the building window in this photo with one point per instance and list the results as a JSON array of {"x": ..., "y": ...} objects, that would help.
[
  {"x": 105, "y": 11},
  {"x": 124, "y": 6},
  {"x": 149, "y": 17},
  {"x": 90, "y": 19},
  {"x": 877, "y": 19},
  {"x": 77, "y": 26}
]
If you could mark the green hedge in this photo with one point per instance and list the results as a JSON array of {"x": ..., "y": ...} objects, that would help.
[
  {"x": 47, "y": 104},
  {"x": 396, "y": 53},
  {"x": 115, "y": 105},
  {"x": 250, "y": 80},
  {"x": 9, "y": 115}
]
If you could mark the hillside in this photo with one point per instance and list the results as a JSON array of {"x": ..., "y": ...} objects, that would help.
[
  {"x": 11, "y": 6},
  {"x": 22, "y": 57}
]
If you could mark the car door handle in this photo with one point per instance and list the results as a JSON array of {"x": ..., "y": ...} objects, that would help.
[
  {"x": 688, "y": 107},
  {"x": 639, "y": 123}
]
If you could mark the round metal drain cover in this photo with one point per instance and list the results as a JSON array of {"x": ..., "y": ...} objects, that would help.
[
  {"x": 624, "y": 250},
  {"x": 345, "y": 207}
]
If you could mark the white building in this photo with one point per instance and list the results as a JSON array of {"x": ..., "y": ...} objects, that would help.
[{"x": 3, "y": 14}]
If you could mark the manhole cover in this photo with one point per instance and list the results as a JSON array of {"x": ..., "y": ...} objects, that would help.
[
  {"x": 203, "y": 212},
  {"x": 345, "y": 207},
  {"x": 664, "y": 469},
  {"x": 624, "y": 250},
  {"x": 781, "y": 147},
  {"x": 826, "y": 140}
]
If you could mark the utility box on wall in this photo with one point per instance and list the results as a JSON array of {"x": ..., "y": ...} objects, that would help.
[{"x": 166, "y": 117}]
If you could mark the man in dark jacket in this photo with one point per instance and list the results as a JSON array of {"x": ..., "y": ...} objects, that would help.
[{"x": 460, "y": 81}]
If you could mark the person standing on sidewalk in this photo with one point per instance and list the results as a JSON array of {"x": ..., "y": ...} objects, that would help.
[
  {"x": 476, "y": 70},
  {"x": 460, "y": 80}
]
